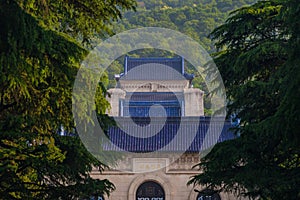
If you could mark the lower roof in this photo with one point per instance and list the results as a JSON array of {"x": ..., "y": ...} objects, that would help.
[{"x": 174, "y": 134}]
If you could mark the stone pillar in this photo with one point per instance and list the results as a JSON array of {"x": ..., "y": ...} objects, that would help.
[
  {"x": 193, "y": 102},
  {"x": 115, "y": 95}
]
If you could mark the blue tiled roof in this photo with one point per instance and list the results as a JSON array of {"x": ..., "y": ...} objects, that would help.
[
  {"x": 153, "y": 69},
  {"x": 193, "y": 130},
  {"x": 138, "y": 104},
  {"x": 176, "y": 63},
  {"x": 154, "y": 96},
  {"x": 154, "y": 109}
]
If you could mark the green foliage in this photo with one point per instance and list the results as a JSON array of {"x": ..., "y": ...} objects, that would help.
[
  {"x": 191, "y": 17},
  {"x": 80, "y": 19},
  {"x": 258, "y": 58},
  {"x": 39, "y": 59}
]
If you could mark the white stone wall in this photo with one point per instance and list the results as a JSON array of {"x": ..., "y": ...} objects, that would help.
[
  {"x": 193, "y": 97},
  {"x": 172, "y": 178},
  {"x": 114, "y": 97},
  {"x": 154, "y": 86},
  {"x": 193, "y": 101}
]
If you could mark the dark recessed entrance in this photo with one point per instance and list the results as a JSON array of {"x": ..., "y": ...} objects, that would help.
[
  {"x": 208, "y": 195},
  {"x": 150, "y": 190},
  {"x": 98, "y": 197}
]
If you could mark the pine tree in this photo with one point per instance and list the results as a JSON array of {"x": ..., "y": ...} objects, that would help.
[
  {"x": 258, "y": 58},
  {"x": 40, "y": 52}
]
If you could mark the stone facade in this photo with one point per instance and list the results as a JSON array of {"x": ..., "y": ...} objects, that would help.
[
  {"x": 193, "y": 97},
  {"x": 173, "y": 178}
]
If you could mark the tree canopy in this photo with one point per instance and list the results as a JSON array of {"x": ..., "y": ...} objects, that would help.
[
  {"x": 258, "y": 58},
  {"x": 192, "y": 17},
  {"x": 40, "y": 53}
]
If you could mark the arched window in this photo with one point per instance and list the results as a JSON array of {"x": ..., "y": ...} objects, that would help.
[
  {"x": 208, "y": 195},
  {"x": 97, "y": 197},
  {"x": 150, "y": 190}
]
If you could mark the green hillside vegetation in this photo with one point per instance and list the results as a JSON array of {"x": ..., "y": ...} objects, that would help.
[{"x": 195, "y": 19}]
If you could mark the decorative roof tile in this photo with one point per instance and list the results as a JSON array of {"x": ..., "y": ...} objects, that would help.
[
  {"x": 175, "y": 63},
  {"x": 154, "y": 96},
  {"x": 153, "y": 69},
  {"x": 193, "y": 134}
]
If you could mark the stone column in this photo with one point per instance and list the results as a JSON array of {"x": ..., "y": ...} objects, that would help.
[
  {"x": 115, "y": 95},
  {"x": 193, "y": 102}
]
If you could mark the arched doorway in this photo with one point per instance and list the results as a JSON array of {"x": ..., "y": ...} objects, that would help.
[
  {"x": 208, "y": 195},
  {"x": 150, "y": 190},
  {"x": 97, "y": 197}
]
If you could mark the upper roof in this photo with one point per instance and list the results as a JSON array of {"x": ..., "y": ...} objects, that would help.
[
  {"x": 176, "y": 63},
  {"x": 154, "y": 69}
]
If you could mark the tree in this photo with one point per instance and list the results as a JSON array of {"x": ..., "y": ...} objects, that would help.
[
  {"x": 39, "y": 58},
  {"x": 258, "y": 58}
]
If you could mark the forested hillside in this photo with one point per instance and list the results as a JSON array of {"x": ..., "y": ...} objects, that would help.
[
  {"x": 195, "y": 18},
  {"x": 223, "y": 5}
]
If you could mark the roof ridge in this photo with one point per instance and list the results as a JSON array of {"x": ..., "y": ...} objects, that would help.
[{"x": 178, "y": 58}]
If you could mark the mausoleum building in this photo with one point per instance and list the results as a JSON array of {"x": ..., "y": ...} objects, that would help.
[{"x": 161, "y": 130}]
